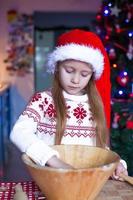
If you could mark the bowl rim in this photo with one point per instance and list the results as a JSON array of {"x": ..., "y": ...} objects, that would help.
[{"x": 104, "y": 167}]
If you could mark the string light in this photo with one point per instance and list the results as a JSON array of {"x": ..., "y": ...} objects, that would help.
[
  {"x": 120, "y": 92},
  {"x": 127, "y": 20},
  {"x": 130, "y": 34},
  {"x": 125, "y": 73},
  {"x": 110, "y": 4},
  {"x": 106, "y": 11},
  {"x": 115, "y": 65}
]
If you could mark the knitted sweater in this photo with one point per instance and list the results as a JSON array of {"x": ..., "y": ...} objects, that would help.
[{"x": 34, "y": 131}]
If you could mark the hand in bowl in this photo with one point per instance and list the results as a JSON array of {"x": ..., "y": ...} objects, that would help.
[{"x": 57, "y": 163}]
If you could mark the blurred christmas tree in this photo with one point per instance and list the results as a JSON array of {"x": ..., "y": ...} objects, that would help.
[{"x": 114, "y": 25}]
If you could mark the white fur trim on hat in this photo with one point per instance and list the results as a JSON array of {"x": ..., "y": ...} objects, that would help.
[{"x": 82, "y": 53}]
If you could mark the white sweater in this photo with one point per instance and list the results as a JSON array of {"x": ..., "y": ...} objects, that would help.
[{"x": 35, "y": 129}]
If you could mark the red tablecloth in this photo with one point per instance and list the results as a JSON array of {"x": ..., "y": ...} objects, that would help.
[
  {"x": 30, "y": 188},
  {"x": 113, "y": 190}
]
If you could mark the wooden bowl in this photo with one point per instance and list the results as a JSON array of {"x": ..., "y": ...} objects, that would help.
[{"x": 93, "y": 165}]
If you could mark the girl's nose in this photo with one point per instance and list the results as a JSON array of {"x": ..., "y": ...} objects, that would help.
[{"x": 76, "y": 78}]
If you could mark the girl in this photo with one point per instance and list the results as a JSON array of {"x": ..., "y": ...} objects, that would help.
[{"x": 72, "y": 112}]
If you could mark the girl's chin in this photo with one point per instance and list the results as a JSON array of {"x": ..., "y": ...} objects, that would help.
[{"x": 72, "y": 92}]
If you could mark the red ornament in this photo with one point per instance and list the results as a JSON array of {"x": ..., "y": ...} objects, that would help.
[
  {"x": 99, "y": 17},
  {"x": 129, "y": 124},
  {"x": 106, "y": 37},
  {"x": 112, "y": 54},
  {"x": 122, "y": 79}
]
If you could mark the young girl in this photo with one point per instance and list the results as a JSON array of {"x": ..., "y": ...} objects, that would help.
[{"x": 72, "y": 111}]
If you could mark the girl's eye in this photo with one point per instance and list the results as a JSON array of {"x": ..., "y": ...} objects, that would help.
[
  {"x": 84, "y": 75},
  {"x": 69, "y": 70}
]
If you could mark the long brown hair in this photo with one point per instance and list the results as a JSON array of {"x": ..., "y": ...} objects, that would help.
[
  {"x": 97, "y": 109},
  {"x": 95, "y": 104}
]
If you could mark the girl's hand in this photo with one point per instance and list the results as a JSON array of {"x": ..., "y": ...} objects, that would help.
[
  {"x": 119, "y": 170},
  {"x": 57, "y": 163}
]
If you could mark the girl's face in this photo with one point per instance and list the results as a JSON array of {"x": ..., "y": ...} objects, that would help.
[{"x": 74, "y": 76}]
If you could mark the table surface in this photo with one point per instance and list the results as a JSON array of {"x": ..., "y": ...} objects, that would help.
[
  {"x": 116, "y": 190},
  {"x": 112, "y": 190}
]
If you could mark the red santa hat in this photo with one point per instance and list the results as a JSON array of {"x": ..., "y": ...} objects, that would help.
[
  {"x": 87, "y": 47},
  {"x": 79, "y": 45}
]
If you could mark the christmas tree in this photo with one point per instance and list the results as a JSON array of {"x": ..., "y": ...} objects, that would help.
[{"x": 114, "y": 25}]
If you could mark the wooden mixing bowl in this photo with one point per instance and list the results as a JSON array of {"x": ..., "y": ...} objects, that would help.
[{"x": 93, "y": 165}]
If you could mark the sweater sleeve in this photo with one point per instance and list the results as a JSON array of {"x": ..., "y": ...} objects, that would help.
[{"x": 23, "y": 134}]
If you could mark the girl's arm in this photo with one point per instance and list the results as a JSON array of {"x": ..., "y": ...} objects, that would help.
[{"x": 24, "y": 136}]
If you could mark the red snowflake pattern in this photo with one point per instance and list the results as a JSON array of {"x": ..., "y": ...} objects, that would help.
[
  {"x": 36, "y": 97},
  {"x": 51, "y": 111},
  {"x": 46, "y": 101},
  {"x": 80, "y": 113},
  {"x": 91, "y": 119},
  {"x": 42, "y": 105}
]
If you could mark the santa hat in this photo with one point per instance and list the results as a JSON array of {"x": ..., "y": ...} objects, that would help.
[
  {"x": 79, "y": 45},
  {"x": 87, "y": 47}
]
